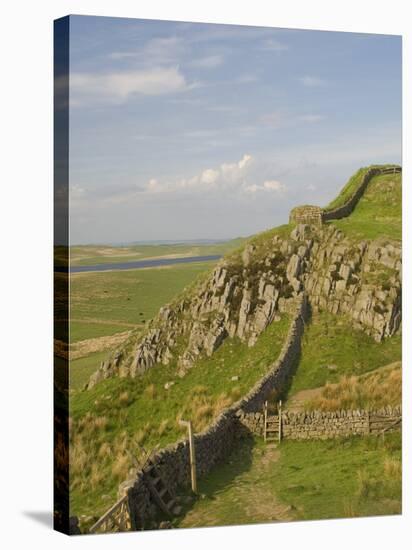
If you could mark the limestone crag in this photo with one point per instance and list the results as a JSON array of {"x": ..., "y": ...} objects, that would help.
[
  {"x": 360, "y": 279},
  {"x": 249, "y": 290},
  {"x": 240, "y": 299}
]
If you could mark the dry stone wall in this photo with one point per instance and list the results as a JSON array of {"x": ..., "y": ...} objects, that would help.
[
  {"x": 314, "y": 215},
  {"x": 328, "y": 425},
  {"x": 216, "y": 442},
  {"x": 347, "y": 208},
  {"x": 248, "y": 292},
  {"x": 311, "y": 215}
]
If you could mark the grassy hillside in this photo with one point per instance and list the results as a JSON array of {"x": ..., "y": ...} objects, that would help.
[
  {"x": 379, "y": 212},
  {"x": 373, "y": 390},
  {"x": 349, "y": 477},
  {"x": 351, "y": 186},
  {"x": 108, "y": 421},
  {"x": 82, "y": 368},
  {"x": 101, "y": 254},
  {"x": 332, "y": 348}
]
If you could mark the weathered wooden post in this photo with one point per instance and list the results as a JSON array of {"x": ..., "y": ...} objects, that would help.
[
  {"x": 368, "y": 422},
  {"x": 280, "y": 420},
  {"x": 192, "y": 454},
  {"x": 265, "y": 411}
]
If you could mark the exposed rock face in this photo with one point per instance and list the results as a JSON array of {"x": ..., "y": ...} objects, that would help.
[
  {"x": 358, "y": 279},
  {"x": 248, "y": 292}
]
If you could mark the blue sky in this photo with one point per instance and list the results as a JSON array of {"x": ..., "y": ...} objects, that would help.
[{"x": 187, "y": 131}]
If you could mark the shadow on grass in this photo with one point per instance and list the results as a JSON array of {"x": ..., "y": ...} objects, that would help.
[{"x": 223, "y": 475}]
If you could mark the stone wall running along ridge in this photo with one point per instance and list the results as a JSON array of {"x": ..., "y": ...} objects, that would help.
[
  {"x": 215, "y": 443},
  {"x": 347, "y": 208},
  {"x": 314, "y": 215}
]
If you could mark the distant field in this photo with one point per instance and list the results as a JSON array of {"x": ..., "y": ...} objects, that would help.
[
  {"x": 103, "y": 303},
  {"x": 332, "y": 348},
  {"x": 96, "y": 255},
  {"x": 379, "y": 211},
  {"x": 81, "y": 369}
]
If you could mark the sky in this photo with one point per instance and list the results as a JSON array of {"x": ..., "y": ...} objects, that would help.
[{"x": 185, "y": 131}]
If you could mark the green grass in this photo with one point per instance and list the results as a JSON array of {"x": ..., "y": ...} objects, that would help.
[
  {"x": 81, "y": 369},
  {"x": 82, "y": 330},
  {"x": 340, "y": 478},
  {"x": 300, "y": 480},
  {"x": 378, "y": 214},
  {"x": 129, "y": 297},
  {"x": 332, "y": 341},
  {"x": 348, "y": 190},
  {"x": 351, "y": 186},
  {"x": 150, "y": 411},
  {"x": 105, "y": 254},
  {"x": 262, "y": 241},
  {"x": 236, "y": 492}
]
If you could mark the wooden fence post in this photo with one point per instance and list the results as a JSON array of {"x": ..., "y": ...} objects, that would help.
[
  {"x": 192, "y": 454},
  {"x": 368, "y": 419},
  {"x": 280, "y": 420},
  {"x": 265, "y": 413}
]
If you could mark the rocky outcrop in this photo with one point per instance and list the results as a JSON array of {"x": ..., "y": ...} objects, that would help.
[
  {"x": 361, "y": 280},
  {"x": 240, "y": 299},
  {"x": 249, "y": 290}
]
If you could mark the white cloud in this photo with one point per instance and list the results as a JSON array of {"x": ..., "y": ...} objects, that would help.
[
  {"x": 209, "y": 62},
  {"x": 226, "y": 176},
  {"x": 157, "y": 51},
  {"x": 209, "y": 176},
  {"x": 118, "y": 87},
  {"x": 274, "y": 185},
  {"x": 311, "y": 81},
  {"x": 268, "y": 186},
  {"x": 231, "y": 177}
]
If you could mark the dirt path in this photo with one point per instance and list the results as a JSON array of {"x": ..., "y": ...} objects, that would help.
[{"x": 233, "y": 496}]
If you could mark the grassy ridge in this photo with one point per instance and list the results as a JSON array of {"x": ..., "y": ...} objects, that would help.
[
  {"x": 378, "y": 214},
  {"x": 348, "y": 190},
  {"x": 351, "y": 186}
]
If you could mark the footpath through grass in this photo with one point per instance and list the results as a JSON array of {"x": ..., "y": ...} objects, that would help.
[
  {"x": 300, "y": 480},
  {"x": 332, "y": 348},
  {"x": 111, "y": 419}
]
